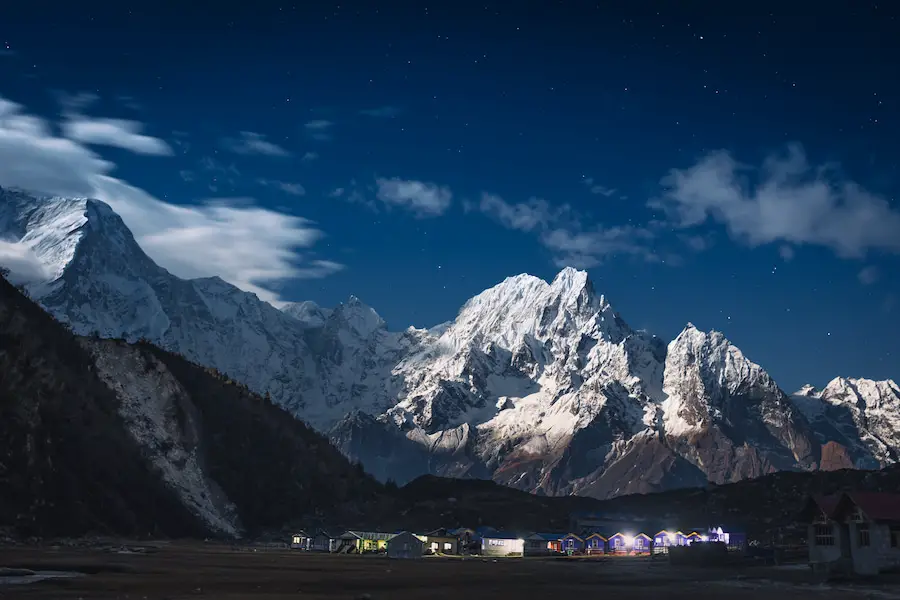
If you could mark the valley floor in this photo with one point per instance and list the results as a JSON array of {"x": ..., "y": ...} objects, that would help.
[{"x": 176, "y": 571}]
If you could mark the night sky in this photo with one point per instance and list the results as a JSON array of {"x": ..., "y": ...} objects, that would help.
[{"x": 726, "y": 164}]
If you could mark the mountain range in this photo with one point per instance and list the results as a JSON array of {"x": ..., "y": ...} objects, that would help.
[{"x": 539, "y": 386}]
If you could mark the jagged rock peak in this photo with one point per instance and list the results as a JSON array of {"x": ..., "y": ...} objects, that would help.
[
  {"x": 359, "y": 316},
  {"x": 715, "y": 356}
]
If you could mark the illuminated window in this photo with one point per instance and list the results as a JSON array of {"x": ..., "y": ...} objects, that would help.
[
  {"x": 824, "y": 535},
  {"x": 448, "y": 546}
]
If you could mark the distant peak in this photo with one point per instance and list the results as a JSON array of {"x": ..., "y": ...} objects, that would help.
[
  {"x": 571, "y": 276},
  {"x": 690, "y": 326},
  {"x": 807, "y": 390},
  {"x": 359, "y": 316}
]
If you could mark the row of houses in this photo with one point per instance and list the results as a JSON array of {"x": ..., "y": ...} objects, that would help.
[{"x": 487, "y": 541}]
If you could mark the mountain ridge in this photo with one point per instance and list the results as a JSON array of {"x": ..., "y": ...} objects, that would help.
[
  {"x": 102, "y": 436},
  {"x": 538, "y": 385}
]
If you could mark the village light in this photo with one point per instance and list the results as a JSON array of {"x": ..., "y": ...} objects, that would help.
[
  {"x": 671, "y": 537},
  {"x": 629, "y": 539}
]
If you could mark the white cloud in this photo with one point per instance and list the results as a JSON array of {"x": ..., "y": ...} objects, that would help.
[
  {"x": 294, "y": 189},
  {"x": 318, "y": 125},
  {"x": 790, "y": 202},
  {"x": 525, "y": 216},
  {"x": 602, "y": 190},
  {"x": 382, "y": 112},
  {"x": 319, "y": 129},
  {"x": 585, "y": 249},
  {"x": 250, "y": 142},
  {"x": 119, "y": 133},
  {"x": 423, "y": 199},
  {"x": 75, "y": 103},
  {"x": 869, "y": 275},
  {"x": 22, "y": 263},
  {"x": 251, "y": 247},
  {"x": 309, "y": 157},
  {"x": 560, "y": 229}
]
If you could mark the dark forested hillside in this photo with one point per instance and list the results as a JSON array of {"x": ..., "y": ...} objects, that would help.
[
  {"x": 67, "y": 465},
  {"x": 273, "y": 467},
  {"x": 71, "y": 464}
]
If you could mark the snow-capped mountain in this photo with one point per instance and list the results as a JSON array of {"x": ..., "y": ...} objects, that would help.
[
  {"x": 860, "y": 416},
  {"x": 98, "y": 280},
  {"x": 542, "y": 386}
]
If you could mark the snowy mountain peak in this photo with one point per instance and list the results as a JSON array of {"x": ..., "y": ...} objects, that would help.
[
  {"x": 358, "y": 316},
  {"x": 807, "y": 391},
  {"x": 49, "y": 231},
  {"x": 863, "y": 393},
  {"x": 861, "y": 415},
  {"x": 307, "y": 312}
]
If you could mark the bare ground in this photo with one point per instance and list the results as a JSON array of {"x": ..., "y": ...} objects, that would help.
[{"x": 175, "y": 571}]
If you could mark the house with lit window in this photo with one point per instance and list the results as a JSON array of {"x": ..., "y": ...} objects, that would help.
[
  {"x": 854, "y": 532},
  {"x": 666, "y": 538},
  {"x": 542, "y": 544},
  {"x": 301, "y": 541},
  {"x": 595, "y": 544},
  {"x": 363, "y": 541},
  {"x": 572, "y": 544},
  {"x": 502, "y": 543},
  {"x": 441, "y": 541},
  {"x": 641, "y": 544}
]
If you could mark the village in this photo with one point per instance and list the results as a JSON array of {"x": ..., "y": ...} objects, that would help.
[
  {"x": 846, "y": 534},
  {"x": 845, "y": 545}
]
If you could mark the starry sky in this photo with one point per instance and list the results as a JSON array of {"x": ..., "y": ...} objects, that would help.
[{"x": 728, "y": 164}]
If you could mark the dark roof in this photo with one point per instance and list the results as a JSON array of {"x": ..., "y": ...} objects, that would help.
[
  {"x": 442, "y": 532},
  {"x": 550, "y": 537},
  {"x": 827, "y": 503},
  {"x": 878, "y": 506}
]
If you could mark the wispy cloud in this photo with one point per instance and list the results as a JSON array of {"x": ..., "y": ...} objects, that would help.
[
  {"x": 534, "y": 214},
  {"x": 294, "y": 189},
  {"x": 788, "y": 202},
  {"x": 421, "y": 198},
  {"x": 252, "y": 247},
  {"x": 128, "y": 102},
  {"x": 319, "y": 129},
  {"x": 869, "y": 275},
  {"x": 310, "y": 156},
  {"x": 596, "y": 188},
  {"x": 250, "y": 142},
  {"x": 562, "y": 230},
  {"x": 77, "y": 102},
  {"x": 318, "y": 125},
  {"x": 119, "y": 133},
  {"x": 588, "y": 248},
  {"x": 381, "y": 112}
]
